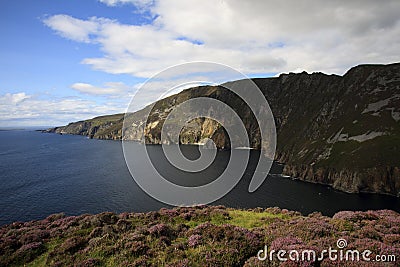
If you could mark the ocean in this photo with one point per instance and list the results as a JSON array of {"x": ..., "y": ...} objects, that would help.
[{"x": 42, "y": 174}]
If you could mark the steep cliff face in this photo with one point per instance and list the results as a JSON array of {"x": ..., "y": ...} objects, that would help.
[
  {"x": 338, "y": 130},
  {"x": 346, "y": 133},
  {"x": 104, "y": 127}
]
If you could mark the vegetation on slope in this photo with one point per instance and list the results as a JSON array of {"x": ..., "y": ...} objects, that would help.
[{"x": 194, "y": 236}]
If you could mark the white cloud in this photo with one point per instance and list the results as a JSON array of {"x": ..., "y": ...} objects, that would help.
[
  {"x": 21, "y": 109},
  {"x": 123, "y": 2},
  {"x": 252, "y": 36},
  {"x": 75, "y": 29},
  {"x": 13, "y": 98},
  {"x": 109, "y": 88},
  {"x": 158, "y": 88}
]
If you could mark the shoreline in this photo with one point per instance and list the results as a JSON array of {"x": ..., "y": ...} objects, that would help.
[{"x": 277, "y": 160}]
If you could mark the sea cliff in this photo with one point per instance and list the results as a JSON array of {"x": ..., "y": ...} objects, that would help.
[{"x": 343, "y": 131}]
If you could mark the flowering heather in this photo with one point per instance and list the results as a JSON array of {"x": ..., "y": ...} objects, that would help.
[
  {"x": 288, "y": 242},
  {"x": 161, "y": 229},
  {"x": 194, "y": 236},
  {"x": 194, "y": 240}
]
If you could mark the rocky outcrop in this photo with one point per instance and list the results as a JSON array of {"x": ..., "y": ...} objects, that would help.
[
  {"x": 383, "y": 180},
  {"x": 343, "y": 131}
]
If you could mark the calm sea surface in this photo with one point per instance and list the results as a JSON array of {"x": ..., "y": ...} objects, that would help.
[{"x": 41, "y": 174}]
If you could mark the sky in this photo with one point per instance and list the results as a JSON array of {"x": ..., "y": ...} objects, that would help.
[{"x": 68, "y": 60}]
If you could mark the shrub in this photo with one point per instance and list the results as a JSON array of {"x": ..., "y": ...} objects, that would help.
[
  {"x": 73, "y": 244},
  {"x": 194, "y": 240},
  {"x": 161, "y": 229},
  {"x": 28, "y": 252}
]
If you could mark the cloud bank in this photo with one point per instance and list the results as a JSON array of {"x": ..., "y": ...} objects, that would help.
[
  {"x": 21, "y": 109},
  {"x": 252, "y": 36},
  {"x": 110, "y": 88},
  {"x": 141, "y": 3}
]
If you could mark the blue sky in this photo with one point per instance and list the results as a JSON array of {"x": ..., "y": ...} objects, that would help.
[
  {"x": 68, "y": 60},
  {"x": 34, "y": 57},
  {"x": 44, "y": 66}
]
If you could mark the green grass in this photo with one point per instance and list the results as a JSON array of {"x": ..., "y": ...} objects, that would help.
[
  {"x": 111, "y": 261},
  {"x": 41, "y": 260},
  {"x": 217, "y": 219},
  {"x": 105, "y": 119},
  {"x": 249, "y": 219},
  {"x": 242, "y": 218}
]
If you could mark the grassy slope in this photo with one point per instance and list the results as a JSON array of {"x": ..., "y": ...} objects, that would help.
[
  {"x": 197, "y": 236},
  {"x": 107, "y": 118}
]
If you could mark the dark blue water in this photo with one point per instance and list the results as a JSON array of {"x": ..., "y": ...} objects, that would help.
[{"x": 41, "y": 174}]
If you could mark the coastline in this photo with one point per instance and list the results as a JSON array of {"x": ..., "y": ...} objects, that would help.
[{"x": 302, "y": 173}]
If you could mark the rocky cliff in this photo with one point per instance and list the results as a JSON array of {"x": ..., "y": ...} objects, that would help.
[
  {"x": 104, "y": 127},
  {"x": 343, "y": 131}
]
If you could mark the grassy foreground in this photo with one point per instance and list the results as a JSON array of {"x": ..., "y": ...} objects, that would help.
[{"x": 195, "y": 236}]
